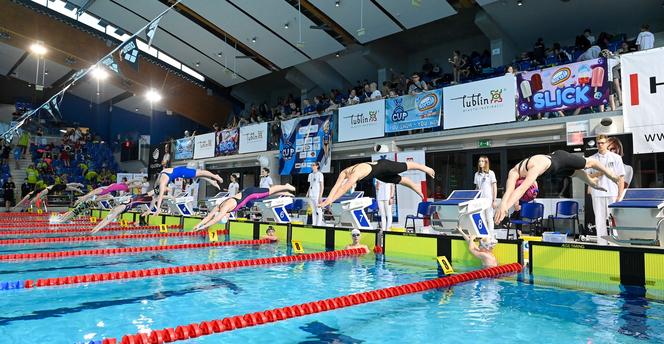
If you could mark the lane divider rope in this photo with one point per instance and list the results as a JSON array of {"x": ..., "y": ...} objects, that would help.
[
  {"x": 83, "y": 230},
  {"x": 182, "y": 269},
  {"x": 37, "y": 241},
  {"x": 113, "y": 251},
  {"x": 195, "y": 330}
]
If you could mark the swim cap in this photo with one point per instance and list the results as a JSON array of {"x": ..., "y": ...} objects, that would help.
[
  {"x": 488, "y": 243},
  {"x": 531, "y": 192}
]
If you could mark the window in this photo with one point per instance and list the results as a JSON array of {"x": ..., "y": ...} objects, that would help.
[
  {"x": 171, "y": 61},
  {"x": 192, "y": 73},
  {"x": 91, "y": 21},
  {"x": 63, "y": 8}
]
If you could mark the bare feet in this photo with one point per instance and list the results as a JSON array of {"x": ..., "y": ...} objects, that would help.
[
  {"x": 430, "y": 172},
  {"x": 290, "y": 187},
  {"x": 419, "y": 192},
  {"x": 216, "y": 184},
  {"x": 594, "y": 184}
]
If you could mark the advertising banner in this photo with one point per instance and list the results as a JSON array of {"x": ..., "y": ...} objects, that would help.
[
  {"x": 184, "y": 148},
  {"x": 413, "y": 112},
  {"x": 253, "y": 138},
  {"x": 204, "y": 146},
  {"x": 569, "y": 86},
  {"x": 362, "y": 121},
  {"x": 642, "y": 75},
  {"x": 303, "y": 142},
  {"x": 160, "y": 157},
  {"x": 482, "y": 102},
  {"x": 227, "y": 142}
]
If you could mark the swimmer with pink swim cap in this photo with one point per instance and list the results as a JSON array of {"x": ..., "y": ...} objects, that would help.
[{"x": 123, "y": 186}]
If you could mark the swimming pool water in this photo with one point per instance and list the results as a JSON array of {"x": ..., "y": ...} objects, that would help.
[{"x": 503, "y": 310}]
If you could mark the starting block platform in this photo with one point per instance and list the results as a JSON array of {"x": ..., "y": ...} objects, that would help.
[
  {"x": 637, "y": 218},
  {"x": 274, "y": 209},
  {"x": 462, "y": 209},
  {"x": 183, "y": 205},
  {"x": 348, "y": 211}
]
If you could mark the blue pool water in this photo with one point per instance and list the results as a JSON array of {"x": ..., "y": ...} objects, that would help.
[{"x": 491, "y": 310}]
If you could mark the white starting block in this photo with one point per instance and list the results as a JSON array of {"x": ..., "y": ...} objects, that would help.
[
  {"x": 183, "y": 206},
  {"x": 274, "y": 209},
  {"x": 348, "y": 211},
  {"x": 638, "y": 218},
  {"x": 216, "y": 200},
  {"x": 105, "y": 204},
  {"x": 462, "y": 209}
]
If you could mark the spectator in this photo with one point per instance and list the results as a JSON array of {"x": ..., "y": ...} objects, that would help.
[
  {"x": 455, "y": 61},
  {"x": 427, "y": 67},
  {"x": 375, "y": 93},
  {"x": 386, "y": 88},
  {"x": 233, "y": 186},
  {"x": 64, "y": 156},
  {"x": 25, "y": 188},
  {"x": 9, "y": 195},
  {"x": 23, "y": 142},
  {"x": 365, "y": 96},
  {"x": 145, "y": 185},
  {"x": 417, "y": 85},
  {"x": 590, "y": 52},
  {"x": 266, "y": 180},
  {"x": 4, "y": 152},
  {"x": 308, "y": 108},
  {"x": 393, "y": 94},
  {"x": 353, "y": 98},
  {"x": 561, "y": 55},
  {"x": 589, "y": 36},
  {"x": 539, "y": 51},
  {"x": 613, "y": 76},
  {"x": 294, "y": 110},
  {"x": 645, "y": 40}
]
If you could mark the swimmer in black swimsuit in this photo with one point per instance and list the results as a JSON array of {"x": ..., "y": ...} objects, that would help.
[
  {"x": 386, "y": 171},
  {"x": 129, "y": 204},
  {"x": 559, "y": 163},
  {"x": 33, "y": 196}
]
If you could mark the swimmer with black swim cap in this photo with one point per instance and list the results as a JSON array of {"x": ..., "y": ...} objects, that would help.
[
  {"x": 230, "y": 204},
  {"x": 559, "y": 163},
  {"x": 386, "y": 171}
]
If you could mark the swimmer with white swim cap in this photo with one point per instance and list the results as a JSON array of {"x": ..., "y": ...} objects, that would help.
[
  {"x": 230, "y": 204},
  {"x": 483, "y": 252},
  {"x": 355, "y": 237}
]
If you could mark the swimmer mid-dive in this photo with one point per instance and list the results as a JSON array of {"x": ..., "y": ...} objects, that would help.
[
  {"x": 386, "y": 171},
  {"x": 483, "y": 252},
  {"x": 130, "y": 203},
  {"x": 39, "y": 196},
  {"x": 105, "y": 190},
  {"x": 559, "y": 163},
  {"x": 170, "y": 174},
  {"x": 220, "y": 212}
]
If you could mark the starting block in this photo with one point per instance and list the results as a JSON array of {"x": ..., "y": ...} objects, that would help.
[
  {"x": 348, "y": 211},
  {"x": 638, "y": 218},
  {"x": 105, "y": 205},
  {"x": 274, "y": 209},
  {"x": 462, "y": 209},
  {"x": 183, "y": 206},
  {"x": 216, "y": 200}
]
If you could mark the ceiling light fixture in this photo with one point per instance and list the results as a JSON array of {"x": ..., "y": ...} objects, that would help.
[
  {"x": 286, "y": 26},
  {"x": 519, "y": 2},
  {"x": 337, "y": 54},
  {"x": 253, "y": 40},
  {"x": 337, "y": 3},
  {"x": 153, "y": 96},
  {"x": 198, "y": 64},
  {"x": 38, "y": 48},
  {"x": 99, "y": 73},
  {"x": 219, "y": 54}
]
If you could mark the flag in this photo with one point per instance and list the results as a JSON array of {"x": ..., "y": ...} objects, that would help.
[
  {"x": 152, "y": 29},
  {"x": 109, "y": 62},
  {"x": 129, "y": 53}
]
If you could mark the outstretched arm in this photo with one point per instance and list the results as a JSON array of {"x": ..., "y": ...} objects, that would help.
[
  {"x": 472, "y": 247},
  {"x": 112, "y": 215}
]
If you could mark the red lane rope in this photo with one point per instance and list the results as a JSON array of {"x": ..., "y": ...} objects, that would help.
[
  {"x": 194, "y": 330},
  {"x": 82, "y": 230},
  {"x": 175, "y": 270},
  {"x": 112, "y": 251},
  {"x": 36, "y": 241},
  {"x": 26, "y": 227}
]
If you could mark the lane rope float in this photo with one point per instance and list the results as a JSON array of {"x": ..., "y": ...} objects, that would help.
[
  {"x": 82, "y": 230},
  {"x": 37, "y": 241}
]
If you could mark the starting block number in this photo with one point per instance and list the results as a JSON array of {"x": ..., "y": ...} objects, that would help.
[
  {"x": 445, "y": 265},
  {"x": 297, "y": 246},
  {"x": 212, "y": 234},
  {"x": 39, "y": 211},
  {"x": 123, "y": 223},
  {"x": 163, "y": 229},
  {"x": 93, "y": 219}
]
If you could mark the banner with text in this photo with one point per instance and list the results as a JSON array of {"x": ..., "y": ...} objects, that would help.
[
  {"x": 303, "y": 142},
  {"x": 569, "y": 86},
  {"x": 413, "y": 112},
  {"x": 643, "y": 99},
  {"x": 227, "y": 142},
  {"x": 184, "y": 148},
  {"x": 253, "y": 138},
  {"x": 362, "y": 121},
  {"x": 481, "y": 102},
  {"x": 159, "y": 158},
  {"x": 204, "y": 146}
]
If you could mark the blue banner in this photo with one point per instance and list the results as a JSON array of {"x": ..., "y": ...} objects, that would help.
[
  {"x": 184, "y": 148},
  {"x": 227, "y": 142},
  {"x": 303, "y": 142},
  {"x": 413, "y": 112}
]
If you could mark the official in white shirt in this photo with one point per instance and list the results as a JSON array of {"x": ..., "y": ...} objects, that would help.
[
  {"x": 233, "y": 186},
  {"x": 645, "y": 40},
  {"x": 485, "y": 181},
  {"x": 315, "y": 194},
  {"x": 385, "y": 199},
  {"x": 145, "y": 186},
  {"x": 602, "y": 199},
  {"x": 266, "y": 180}
]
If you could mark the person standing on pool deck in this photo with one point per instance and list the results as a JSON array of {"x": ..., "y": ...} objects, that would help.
[
  {"x": 266, "y": 180},
  {"x": 170, "y": 174},
  {"x": 386, "y": 171},
  {"x": 230, "y": 204},
  {"x": 485, "y": 181},
  {"x": 355, "y": 235},
  {"x": 315, "y": 194},
  {"x": 559, "y": 163},
  {"x": 483, "y": 252},
  {"x": 385, "y": 199},
  {"x": 233, "y": 186},
  {"x": 613, "y": 191}
]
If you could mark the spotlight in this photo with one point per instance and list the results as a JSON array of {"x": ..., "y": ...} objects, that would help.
[
  {"x": 219, "y": 54},
  {"x": 198, "y": 64},
  {"x": 136, "y": 109},
  {"x": 337, "y": 55},
  {"x": 153, "y": 96},
  {"x": 519, "y": 2},
  {"x": 286, "y": 26},
  {"x": 337, "y": 3},
  {"x": 45, "y": 72},
  {"x": 99, "y": 73},
  {"x": 38, "y": 48},
  {"x": 253, "y": 40}
]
